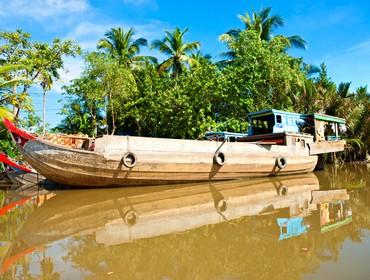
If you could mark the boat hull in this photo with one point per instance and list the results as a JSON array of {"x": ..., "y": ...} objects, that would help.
[{"x": 161, "y": 161}]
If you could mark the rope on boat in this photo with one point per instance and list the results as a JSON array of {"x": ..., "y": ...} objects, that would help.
[{"x": 219, "y": 157}]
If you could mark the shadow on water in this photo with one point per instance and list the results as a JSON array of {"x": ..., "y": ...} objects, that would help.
[{"x": 267, "y": 228}]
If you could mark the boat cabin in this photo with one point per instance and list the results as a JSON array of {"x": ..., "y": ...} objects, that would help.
[
  {"x": 273, "y": 121},
  {"x": 319, "y": 133},
  {"x": 324, "y": 127},
  {"x": 272, "y": 126}
]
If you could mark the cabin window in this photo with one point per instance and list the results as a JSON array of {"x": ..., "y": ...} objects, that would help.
[
  {"x": 263, "y": 124},
  {"x": 278, "y": 118},
  {"x": 254, "y": 123}
]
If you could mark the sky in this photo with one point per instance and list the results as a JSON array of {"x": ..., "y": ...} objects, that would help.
[{"x": 337, "y": 31}]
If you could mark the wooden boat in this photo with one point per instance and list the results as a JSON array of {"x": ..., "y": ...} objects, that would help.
[
  {"x": 127, "y": 160},
  {"x": 19, "y": 174}
]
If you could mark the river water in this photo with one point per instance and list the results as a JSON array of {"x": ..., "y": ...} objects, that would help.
[{"x": 309, "y": 226}]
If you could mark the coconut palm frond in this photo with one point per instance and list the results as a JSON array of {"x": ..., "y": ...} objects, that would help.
[{"x": 297, "y": 42}]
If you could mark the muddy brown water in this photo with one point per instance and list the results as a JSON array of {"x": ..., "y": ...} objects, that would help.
[{"x": 309, "y": 226}]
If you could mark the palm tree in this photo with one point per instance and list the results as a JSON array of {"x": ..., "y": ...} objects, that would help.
[
  {"x": 5, "y": 69},
  {"x": 343, "y": 90},
  {"x": 362, "y": 93},
  {"x": 197, "y": 58},
  {"x": 121, "y": 46},
  {"x": 310, "y": 69},
  {"x": 46, "y": 84},
  {"x": 178, "y": 51},
  {"x": 265, "y": 24},
  {"x": 341, "y": 104}
]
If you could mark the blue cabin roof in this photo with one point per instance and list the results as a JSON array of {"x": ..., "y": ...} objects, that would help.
[
  {"x": 269, "y": 121},
  {"x": 266, "y": 112},
  {"x": 325, "y": 118}
]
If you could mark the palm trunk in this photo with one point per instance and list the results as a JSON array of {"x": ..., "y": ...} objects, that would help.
[
  {"x": 106, "y": 116},
  {"x": 44, "y": 113},
  {"x": 113, "y": 117}
]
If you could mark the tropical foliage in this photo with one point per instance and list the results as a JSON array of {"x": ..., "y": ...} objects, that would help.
[{"x": 23, "y": 64}]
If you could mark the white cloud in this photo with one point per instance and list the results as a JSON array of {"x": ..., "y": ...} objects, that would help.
[
  {"x": 73, "y": 67},
  {"x": 42, "y": 8},
  {"x": 87, "y": 34}
]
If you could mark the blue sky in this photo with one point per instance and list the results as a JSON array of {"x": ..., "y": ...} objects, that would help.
[{"x": 337, "y": 31}]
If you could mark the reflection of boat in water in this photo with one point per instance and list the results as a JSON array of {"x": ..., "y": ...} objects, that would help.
[
  {"x": 329, "y": 210},
  {"x": 115, "y": 216},
  {"x": 19, "y": 174},
  {"x": 217, "y": 251},
  {"x": 14, "y": 206},
  {"x": 123, "y": 215}
]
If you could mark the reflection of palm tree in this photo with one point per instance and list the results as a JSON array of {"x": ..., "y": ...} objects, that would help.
[
  {"x": 178, "y": 51},
  {"x": 47, "y": 269}
]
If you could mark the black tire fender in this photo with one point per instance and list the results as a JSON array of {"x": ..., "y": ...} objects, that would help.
[
  {"x": 281, "y": 162},
  {"x": 219, "y": 158}
]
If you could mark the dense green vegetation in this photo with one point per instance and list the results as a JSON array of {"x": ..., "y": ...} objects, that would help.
[
  {"x": 187, "y": 94},
  {"x": 25, "y": 63}
]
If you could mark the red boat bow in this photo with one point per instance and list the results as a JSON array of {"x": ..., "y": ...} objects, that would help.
[{"x": 20, "y": 137}]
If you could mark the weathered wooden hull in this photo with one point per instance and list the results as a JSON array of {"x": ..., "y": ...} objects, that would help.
[{"x": 161, "y": 161}]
